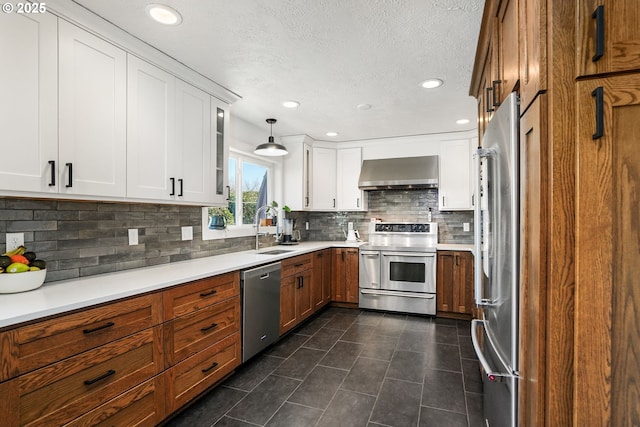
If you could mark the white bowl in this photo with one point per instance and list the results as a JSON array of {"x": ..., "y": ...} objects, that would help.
[{"x": 19, "y": 282}]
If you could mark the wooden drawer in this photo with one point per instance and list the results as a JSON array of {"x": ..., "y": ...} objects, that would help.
[
  {"x": 193, "y": 296},
  {"x": 189, "y": 334},
  {"x": 296, "y": 265},
  {"x": 194, "y": 375},
  {"x": 142, "y": 406},
  {"x": 59, "y": 393},
  {"x": 33, "y": 346}
]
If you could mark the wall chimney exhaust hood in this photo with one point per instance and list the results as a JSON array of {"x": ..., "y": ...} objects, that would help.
[{"x": 399, "y": 173}]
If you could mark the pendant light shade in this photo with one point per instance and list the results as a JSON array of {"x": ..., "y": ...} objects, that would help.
[{"x": 271, "y": 148}]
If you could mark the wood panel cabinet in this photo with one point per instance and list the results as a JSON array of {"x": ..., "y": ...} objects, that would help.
[
  {"x": 321, "y": 278},
  {"x": 344, "y": 280},
  {"x": 296, "y": 291},
  {"x": 454, "y": 282},
  {"x": 607, "y": 36},
  {"x": 607, "y": 341},
  {"x": 507, "y": 49},
  {"x": 533, "y": 50}
]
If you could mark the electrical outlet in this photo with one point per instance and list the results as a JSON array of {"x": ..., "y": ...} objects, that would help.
[
  {"x": 465, "y": 226},
  {"x": 306, "y": 225},
  {"x": 14, "y": 240},
  {"x": 187, "y": 233},
  {"x": 133, "y": 236}
]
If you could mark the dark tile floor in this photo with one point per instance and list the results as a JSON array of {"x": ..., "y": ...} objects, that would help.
[{"x": 349, "y": 367}]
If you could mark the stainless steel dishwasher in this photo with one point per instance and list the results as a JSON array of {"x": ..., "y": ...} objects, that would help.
[{"x": 260, "y": 308}]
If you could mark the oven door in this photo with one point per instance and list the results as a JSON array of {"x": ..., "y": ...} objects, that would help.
[{"x": 408, "y": 271}]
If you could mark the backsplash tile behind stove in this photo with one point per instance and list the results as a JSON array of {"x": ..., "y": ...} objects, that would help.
[{"x": 390, "y": 206}]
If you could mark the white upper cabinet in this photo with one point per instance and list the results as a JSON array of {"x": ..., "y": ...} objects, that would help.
[
  {"x": 297, "y": 172},
  {"x": 29, "y": 102},
  {"x": 349, "y": 163},
  {"x": 92, "y": 114},
  {"x": 150, "y": 130},
  {"x": 324, "y": 179},
  {"x": 219, "y": 153},
  {"x": 192, "y": 149},
  {"x": 455, "y": 189}
]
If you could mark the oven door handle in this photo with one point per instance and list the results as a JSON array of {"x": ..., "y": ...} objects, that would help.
[
  {"x": 409, "y": 254},
  {"x": 397, "y": 294}
]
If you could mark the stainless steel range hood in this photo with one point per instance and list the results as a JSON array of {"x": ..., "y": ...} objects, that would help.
[{"x": 399, "y": 173}]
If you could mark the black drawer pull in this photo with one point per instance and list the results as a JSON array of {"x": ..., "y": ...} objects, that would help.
[
  {"x": 181, "y": 186},
  {"x": 53, "y": 173},
  {"x": 213, "y": 325},
  {"x": 299, "y": 265},
  {"x": 70, "y": 182},
  {"x": 98, "y": 328},
  {"x": 173, "y": 186},
  {"x": 208, "y": 294},
  {"x": 101, "y": 377},
  {"x": 598, "y": 15},
  {"x": 598, "y": 94},
  {"x": 215, "y": 365}
]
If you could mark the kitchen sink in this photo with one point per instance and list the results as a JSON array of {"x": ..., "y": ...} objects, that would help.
[{"x": 275, "y": 252}]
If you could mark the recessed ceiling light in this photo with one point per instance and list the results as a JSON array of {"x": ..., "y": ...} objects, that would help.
[
  {"x": 291, "y": 104},
  {"x": 431, "y": 83},
  {"x": 332, "y": 134},
  {"x": 363, "y": 107},
  {"x": 163, "y": 14},
  {"x": 462, "y": 121}
]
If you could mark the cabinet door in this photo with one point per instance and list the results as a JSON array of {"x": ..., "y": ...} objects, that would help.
[
  {"x": 607, "y": 290},
  {"x": 297, "y": 173},
  {"x": 338, "y": 289},
  {"x": 454, "y": 189},
  {"x": 444, "y": 280},
  {"x": 220, "y": 152},
  {"x": 506, "y": 33},
  {"x": 287, "y": 303},
  {"x": 350, "y": 197},
  {"x": 304, "y": 296},
  {"x": 324, "y": 180},
  {"x": 326, "y": 275},
  {"x": 93, "y": 114},
  {"x": 533, "y": 52},
  {"x": 150, "y": 130},
  {"x": 192, "y": 149},
  {"x": 29, "y": 102},
  {"x": 533, "y": 263},
  {"x": 463, "y": 283},
  {"x": 317, "y": 279},
  {"x": 351, "y": 276},
  {"x": 618, "y": 47}
]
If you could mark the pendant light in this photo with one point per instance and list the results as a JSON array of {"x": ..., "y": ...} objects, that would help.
[{"x": 271, "y": 148}]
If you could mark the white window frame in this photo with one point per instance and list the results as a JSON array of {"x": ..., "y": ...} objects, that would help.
[{"x": 243, "y": 230}]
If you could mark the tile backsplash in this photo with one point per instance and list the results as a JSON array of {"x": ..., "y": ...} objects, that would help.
[
  {"x": 79, "y": 238},
  {"x": 388, "y": 205}
]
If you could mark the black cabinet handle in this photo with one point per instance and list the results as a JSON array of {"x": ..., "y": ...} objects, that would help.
[
  {"x": 173, "y": 186},
  {"x": 494, "y": 89},
  {"x": 70, "y": 182},
  {"x": 228, "y": 193},
  {"x": 52, "y": 182},
  {"x": 215, "y": 365},
  {"x": 487, "y": 103},
  {"x": 101, "y": 377},
  {"x": 598, "y": 15},
  {"x": 181, "y": 186},
  {"x": 598, "y": 94},
  {"x": 358, "y": 202},
  {"x": 334, "y": 203},
  {"x": 98, "y": 328},
  {"x": 207, "y": 294},
  {"x": 213, "y": 325}
]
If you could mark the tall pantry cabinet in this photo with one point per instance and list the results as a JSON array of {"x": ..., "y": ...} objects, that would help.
[{"x": 579, "y": 87}]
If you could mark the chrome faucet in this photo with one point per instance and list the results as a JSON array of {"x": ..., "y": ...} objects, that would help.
[{"x": 257, "y": 221}]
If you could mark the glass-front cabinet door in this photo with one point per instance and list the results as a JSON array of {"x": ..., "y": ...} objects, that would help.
[{"x": 219, "y": 151}]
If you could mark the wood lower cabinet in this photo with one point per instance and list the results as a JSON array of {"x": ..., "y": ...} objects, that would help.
[
  {"x": 344, "y": 280},
  {"x": 296, "y": 291},
  {"x": 454, "y": 282},
  {"x": 321, "y": 280}
]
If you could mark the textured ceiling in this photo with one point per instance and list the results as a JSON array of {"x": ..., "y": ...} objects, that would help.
[{"x": 330, "y": 55}]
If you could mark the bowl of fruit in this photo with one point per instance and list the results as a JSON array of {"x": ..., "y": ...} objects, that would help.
[{"x": 20, "y": 271}]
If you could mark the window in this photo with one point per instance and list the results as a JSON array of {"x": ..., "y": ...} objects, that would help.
[{"x": 250, "y": 187}]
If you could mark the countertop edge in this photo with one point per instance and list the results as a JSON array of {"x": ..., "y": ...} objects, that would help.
[{"x": 68, "y": 295}]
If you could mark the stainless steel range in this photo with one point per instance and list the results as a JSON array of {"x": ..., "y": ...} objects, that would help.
[{"x": 398, "y": 268}]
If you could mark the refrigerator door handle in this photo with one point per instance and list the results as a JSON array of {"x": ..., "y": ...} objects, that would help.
[
  {"x": 491, "y": 375},
  {"x": 477, "y": 229}
]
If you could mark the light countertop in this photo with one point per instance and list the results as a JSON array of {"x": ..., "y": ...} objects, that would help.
[
  {"x": 456, "y": 247},
  {"x": 66, "y": 295}
]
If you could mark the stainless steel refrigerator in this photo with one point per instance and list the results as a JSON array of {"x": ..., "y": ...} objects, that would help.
[{"x": 495, "y": 336}]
